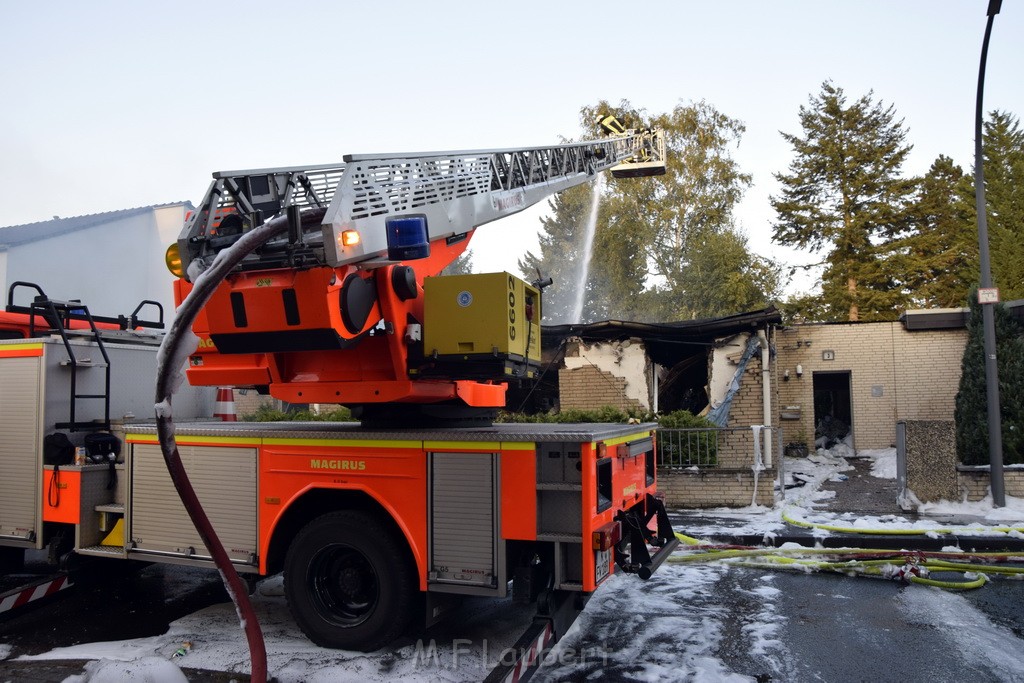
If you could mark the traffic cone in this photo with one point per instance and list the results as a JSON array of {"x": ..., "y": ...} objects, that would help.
[{"x": 224, "y": 408}]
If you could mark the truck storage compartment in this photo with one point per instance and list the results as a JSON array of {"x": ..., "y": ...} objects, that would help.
[
  {"x": 20, "y": 447},
  {"x": 225, "y": 482},
  {"x": 464, "y": 548}
]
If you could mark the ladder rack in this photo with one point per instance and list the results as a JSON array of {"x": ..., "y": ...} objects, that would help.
[{"x": 57, "y": 313}]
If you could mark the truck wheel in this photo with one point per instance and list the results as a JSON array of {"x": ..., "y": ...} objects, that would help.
[{"x": 348, "y": 582}]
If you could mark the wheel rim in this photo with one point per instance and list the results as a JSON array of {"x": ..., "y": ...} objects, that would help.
[{"x": 345, "y": 586}]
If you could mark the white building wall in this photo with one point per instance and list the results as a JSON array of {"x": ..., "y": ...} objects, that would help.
[
  {"x": 725, "y": 357},
  {"x": 3, "y": 272},
  {"x": 627, "y": 360},
  {"x": 110, "y": 267},
  {"x": 167, "y": 221}
]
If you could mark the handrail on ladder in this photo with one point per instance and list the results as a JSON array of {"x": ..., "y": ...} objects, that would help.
[{"x": 59, "y": 317}]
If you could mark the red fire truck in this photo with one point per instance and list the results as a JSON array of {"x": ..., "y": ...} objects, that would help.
[{"x": 389, "y": 520}]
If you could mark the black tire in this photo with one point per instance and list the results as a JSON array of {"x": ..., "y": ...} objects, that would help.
[{"x": 349, "y": 582}]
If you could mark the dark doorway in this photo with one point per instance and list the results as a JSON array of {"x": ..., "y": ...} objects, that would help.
[
  {"x": 683, "y": 387},
  {"x": 833, "y": 407}
]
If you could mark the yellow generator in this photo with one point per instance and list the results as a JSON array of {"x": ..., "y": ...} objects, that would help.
[{"x": 484, "y": 326}]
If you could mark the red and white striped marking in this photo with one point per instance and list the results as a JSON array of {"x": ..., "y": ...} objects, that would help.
[
  {"x": 224, "y": 408},
  {"x": 22, "y": 596},
  {"x": 531, "y": 656}
]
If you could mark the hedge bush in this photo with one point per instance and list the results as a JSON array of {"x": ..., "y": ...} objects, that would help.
[
  {"x": 971, "y": 412},
  {"x": 266, "y": 413}
]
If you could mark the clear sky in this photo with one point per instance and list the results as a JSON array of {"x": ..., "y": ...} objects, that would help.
[{"x": 110, "y": 105}]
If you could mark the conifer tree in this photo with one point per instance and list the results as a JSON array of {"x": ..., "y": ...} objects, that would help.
[
  {"x": 1003, "y": 148},
  {"x": 938, "y": 262},
  {"x": 844, "y": 195},
  {"x": 560, "y": 258},
  {"x": 463, "y": 265},
  {"x": 971, "y": 411}
]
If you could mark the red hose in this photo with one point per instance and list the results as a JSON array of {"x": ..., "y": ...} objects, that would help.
[{"x": 170, "y": 350}]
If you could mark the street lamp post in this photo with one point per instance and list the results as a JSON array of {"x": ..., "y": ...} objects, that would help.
[{"x": 995, "y": 428}]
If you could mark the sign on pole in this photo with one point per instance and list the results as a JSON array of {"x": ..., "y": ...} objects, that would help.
[{"x": 988, "y": 295}]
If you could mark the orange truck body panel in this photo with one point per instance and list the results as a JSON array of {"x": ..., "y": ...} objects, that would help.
[
  {"x": 519, "y": 495},
  {"x": 315, "y": 357},
  {"x": 394, "y": 476},
  {"x": 14, "y": 325},
  {"x": 394, "y": 472},
  {"x": 26, "y": 350},
  {"x": 62, "y": 500}
]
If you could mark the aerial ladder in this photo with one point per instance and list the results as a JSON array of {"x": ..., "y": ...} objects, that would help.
[
  {"x": 345, "y": 308},
  {"x": 330, "y": 294},
  {"x": 320, "y": 285}
]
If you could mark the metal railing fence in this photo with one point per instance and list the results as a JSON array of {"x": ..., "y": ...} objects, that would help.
[
  {"x": 679, "y": 448},
  {"x": 714, "y": 447}
]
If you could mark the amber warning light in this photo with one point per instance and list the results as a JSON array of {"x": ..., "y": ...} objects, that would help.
[{"x": 172, "y": 258}]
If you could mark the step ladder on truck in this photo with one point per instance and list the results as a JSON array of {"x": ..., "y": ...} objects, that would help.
[{"x": 68, "y": 379}]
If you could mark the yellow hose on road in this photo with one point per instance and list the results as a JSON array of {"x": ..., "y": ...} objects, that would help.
[
  {"x": 786, "y": 517},
  {"x": 688, "y": 540},
  {"x": 950, "y": 585},
  {"x": 861, "y": 562}
]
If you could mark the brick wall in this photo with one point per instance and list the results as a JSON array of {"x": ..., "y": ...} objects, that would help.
[
  {"x": 731, "y": 483},
  {"x": 736, "y": 449},
  {"x": 713, "y": 487},
  {"x": 974, "y": 484},
  {"x": 248, "y": 401},
  {"x": 894, "y": 375},
  {"x": 588, "y": 388},
  {"x": 748, "y": 404}
]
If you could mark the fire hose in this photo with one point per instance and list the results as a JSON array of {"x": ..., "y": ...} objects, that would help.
[
  {"x": 789, "y": 519},
  {"x": 908, "y": 566},
  {"x": 177, "y": 346}
]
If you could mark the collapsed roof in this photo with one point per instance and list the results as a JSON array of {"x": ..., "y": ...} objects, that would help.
[{"x": 666, "y": 343}]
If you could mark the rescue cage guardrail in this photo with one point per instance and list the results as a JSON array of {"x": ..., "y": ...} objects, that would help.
[{"x": 712, "y": 446}]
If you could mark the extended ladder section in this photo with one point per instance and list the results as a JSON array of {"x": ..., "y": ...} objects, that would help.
[{"x": 452, "y": 192}]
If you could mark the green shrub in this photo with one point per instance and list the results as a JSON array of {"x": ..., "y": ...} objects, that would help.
[
  {"x": 575, "y": 415},
  {"x": 687, "y": 448},
  {"x": 684, "y": 419},
  {"x": 266, "y": 413}
]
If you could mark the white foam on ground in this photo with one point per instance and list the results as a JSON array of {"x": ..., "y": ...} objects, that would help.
[
  {"x": 218, "y": 644},
  {"x": 144, "y": 670},
  {"x": 883, "y": 462},
  {"x": 979, "y": 642},
  {"x": 668, "y": 628},
  {"x": 1012, "y": 514}
]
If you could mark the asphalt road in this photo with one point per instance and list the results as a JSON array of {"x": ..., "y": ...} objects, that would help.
[
  {"x": 837, "y": 628},
  {"x": 832, "y": 628}
]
